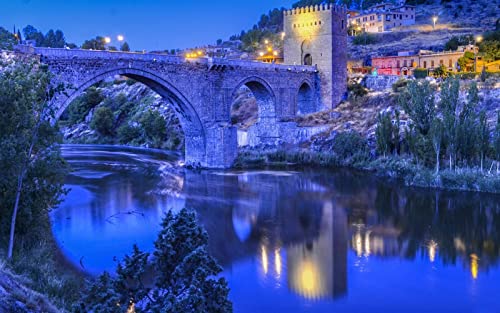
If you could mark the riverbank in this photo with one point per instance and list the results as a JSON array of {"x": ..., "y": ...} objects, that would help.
[
  {"x": 38, "y": 279},
  {"x": 392, "y": 167}
]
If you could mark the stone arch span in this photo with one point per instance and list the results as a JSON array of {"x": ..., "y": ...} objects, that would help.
[
  {"x": 194, "y": 130},
  {"x": 265, "y": 131}
]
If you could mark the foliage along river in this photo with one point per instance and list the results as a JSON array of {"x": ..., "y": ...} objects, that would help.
[{"x": 310, "y": 240}]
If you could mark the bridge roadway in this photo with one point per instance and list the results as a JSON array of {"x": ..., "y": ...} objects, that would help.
[{"x": 202, "y": 91}]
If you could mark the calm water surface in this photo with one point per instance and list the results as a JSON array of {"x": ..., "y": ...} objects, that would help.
[{"x": 292, "y": 241}]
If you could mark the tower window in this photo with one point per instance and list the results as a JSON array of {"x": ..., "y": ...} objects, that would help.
[
  {"x": 342, "y": 24},
  {"x": 308, "y": 59}
]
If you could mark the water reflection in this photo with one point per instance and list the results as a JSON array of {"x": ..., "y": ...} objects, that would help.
[{"x": 296, "y": 241}]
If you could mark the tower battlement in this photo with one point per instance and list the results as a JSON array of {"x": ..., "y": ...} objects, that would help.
[{"x": 316, "y": 8}]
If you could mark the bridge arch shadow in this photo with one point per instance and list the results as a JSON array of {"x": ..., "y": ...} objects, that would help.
[
  {"x": 306, "y": 103},
  {"x": 194, "y": 131},
  {"x": 263, "y": 130}
]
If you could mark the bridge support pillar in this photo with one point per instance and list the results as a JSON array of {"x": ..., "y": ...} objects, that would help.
[{"x": 222, "y": 146}]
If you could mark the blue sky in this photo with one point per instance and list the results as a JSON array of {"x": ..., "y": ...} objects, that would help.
[{"x": 146, "y": 24}]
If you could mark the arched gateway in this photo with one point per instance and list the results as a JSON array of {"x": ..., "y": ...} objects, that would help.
[{"x": 201, "y": 91}]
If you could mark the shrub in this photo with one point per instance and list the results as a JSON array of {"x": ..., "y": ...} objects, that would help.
[
  {"x": 155, "y": 127},
  {"x": 400, "y": 84},
  {"x": 128, "y": 133},
  {"x": 365, "y": 39},
  {"x": 357, "y": 90},
  {"x": 351, "y": 147},
  {"x": 103, "y": 121},
  {"x": 420, "y": 73}
]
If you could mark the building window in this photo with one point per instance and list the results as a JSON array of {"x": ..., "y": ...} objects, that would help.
[
  {"x": 432, "y": 63},
  {"x": 342, "y": 24},
  {"x": 405, "y": 64},
  {"x": 319, "y": 22},
  {"x": 398, "y": 64},
  {"x": 441, "y": 62},
  {"x": 450, "y": 63}
]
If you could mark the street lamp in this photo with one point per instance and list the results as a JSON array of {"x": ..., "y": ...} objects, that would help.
[
  {"x": 120, "y": 37},
  {"x": 478, "y": 40},
  {"x": 283, "y": 34},
  {"x": 434, "y": 20},
  {"x": 107, "y": 40}
]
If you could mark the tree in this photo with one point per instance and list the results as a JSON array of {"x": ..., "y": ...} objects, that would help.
[
  {"x": 436, "y": 134},
  {"x": 483, "y": 137},
  {"x": 103, "y": 121},
  {"x": 467, "y": 125},
  {"x": 449, "y": 102},
  {"x": 383, "y": 133},
  {"x": 33, "y": 170},
  {"x": 7, "y": 39},
  {"x": 125, "y": 47},
  {"x": 154, "y": 126},
  {"x": 418, "y": 102},
  {"x": 98, "y": 43},
  {"x": 441, "y": 71},
  {"x": 219, "y": 42},
  {"x": 184, "y": 275}
]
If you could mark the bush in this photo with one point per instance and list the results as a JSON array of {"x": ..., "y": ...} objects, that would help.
[
  {"x": 365, "y": 39},
  {"x": 357, "y": 90},
  {"x": 400, "y": 84},
  {"x": 351, "y": 147},
  {"x": 128, "y": 133},
  {"x": 155, "y": 128},
  {"x": 420, "y": 73},
  {"x": 103, "y": 121}
]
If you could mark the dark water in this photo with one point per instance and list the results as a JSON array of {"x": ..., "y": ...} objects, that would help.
[{"x": 292, "y": 241}]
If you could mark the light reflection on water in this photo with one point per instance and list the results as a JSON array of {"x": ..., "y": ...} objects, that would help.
[{"x": 292, "y": 241}]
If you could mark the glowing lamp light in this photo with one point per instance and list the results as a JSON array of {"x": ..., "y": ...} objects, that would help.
[
  {"x": 200, "y": 52},
  {"x": 479, "y": 38},
  {"x": 120, "y": 37},
  {"x": 261, "y": 54},
  {"x": 275, "y": 53},
  {"x": 270, "y": 49},
  {"x": 107, "y": 40},
  {"x": 474, "y": 265},
  {"x": 266, "y": 41}
]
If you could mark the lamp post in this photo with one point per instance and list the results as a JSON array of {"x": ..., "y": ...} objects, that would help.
[
  {"x": 434, "y": 20},
  {"x": 478, "y": 40}
]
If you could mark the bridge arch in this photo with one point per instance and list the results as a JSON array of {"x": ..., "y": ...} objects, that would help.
[
  {"x": 306, "y": 103},
  {"x": 263, "y": 93},
  {"x": 194, "y": 131}
]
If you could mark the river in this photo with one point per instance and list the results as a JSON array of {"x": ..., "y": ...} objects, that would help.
[{"x": 309, "y": 240}]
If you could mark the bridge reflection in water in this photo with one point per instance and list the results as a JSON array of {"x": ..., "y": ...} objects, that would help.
[{"x": 286, "y": 237}]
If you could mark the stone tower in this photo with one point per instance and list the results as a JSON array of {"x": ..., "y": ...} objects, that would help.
[{"x": 317, "y": 35}]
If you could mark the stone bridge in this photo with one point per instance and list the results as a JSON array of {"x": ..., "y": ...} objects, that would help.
[{"x": 201, "y": 90}]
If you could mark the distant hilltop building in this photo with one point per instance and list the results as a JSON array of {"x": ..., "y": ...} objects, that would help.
[
  {"x": 383, "y": 17},
  {"x": 317, "y": 35},
  {"x": 406, "y": 62}
]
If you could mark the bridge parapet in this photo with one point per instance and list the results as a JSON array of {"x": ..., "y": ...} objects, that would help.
[{"x": 211, "y": 63}]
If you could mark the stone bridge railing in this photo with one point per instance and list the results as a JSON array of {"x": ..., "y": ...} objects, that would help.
[{"x": 212, "y": 63}]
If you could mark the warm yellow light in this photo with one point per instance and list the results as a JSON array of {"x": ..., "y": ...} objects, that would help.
[
  {"x": 107, "y": 39},
  {"x": 269, "y": 49},
  {"x": 432, "y": 250},
  {"x": 434, "y": 19},
  {"x": 266, "y": 41},
  {"x": 200, "y": 52},
  {"x": 474, "y": 265},
  {"x": 120, "y": 37},
  {"x": 277, "y": 262},
  {"x": 309, "y": 280},
  {"x": 265, "y": 260},
  {"x": 479, "y": 38},
  {"x": 358, "y": 245},
  {"x": 261, "y": 53},
  {"x": 275, "y": 53},
  {"x": 283, "y": 34}
]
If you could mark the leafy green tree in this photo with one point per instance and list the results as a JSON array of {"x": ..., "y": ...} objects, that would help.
[
  {"x": 449, "y": 102},
  {"x": 32, "y": 168},
  {"x": 418, "y": 102},
  {"x": 490, "y": 50},
  {"x": 350, "y": 145},
  {"x": 436, "y": 135},
  {"x": 154, "y": 126},
  {"x": 483, "y": 137},
  {"x": 383, "y": 133},
  {"x": 103, "y": 121},
  {"x": 184, "y": 275},
  {"x": 80, "y": 107},
  {"x": 125, "y": 47},
  {"x": 396, "y": 131},
  {"x": 7, "y": 39},
  {"x": 98, "y": 43},
  {"x": 31, "y": 33},
  {"x": 128, "y": 133},
  {"x": 441, "y": 71},
  {"x": 467, "y": 127}
]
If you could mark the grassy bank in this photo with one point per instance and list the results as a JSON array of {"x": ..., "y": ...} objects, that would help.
[
  {"x": 392, "y": 167},
  {"x": 44, "y": 279}
]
